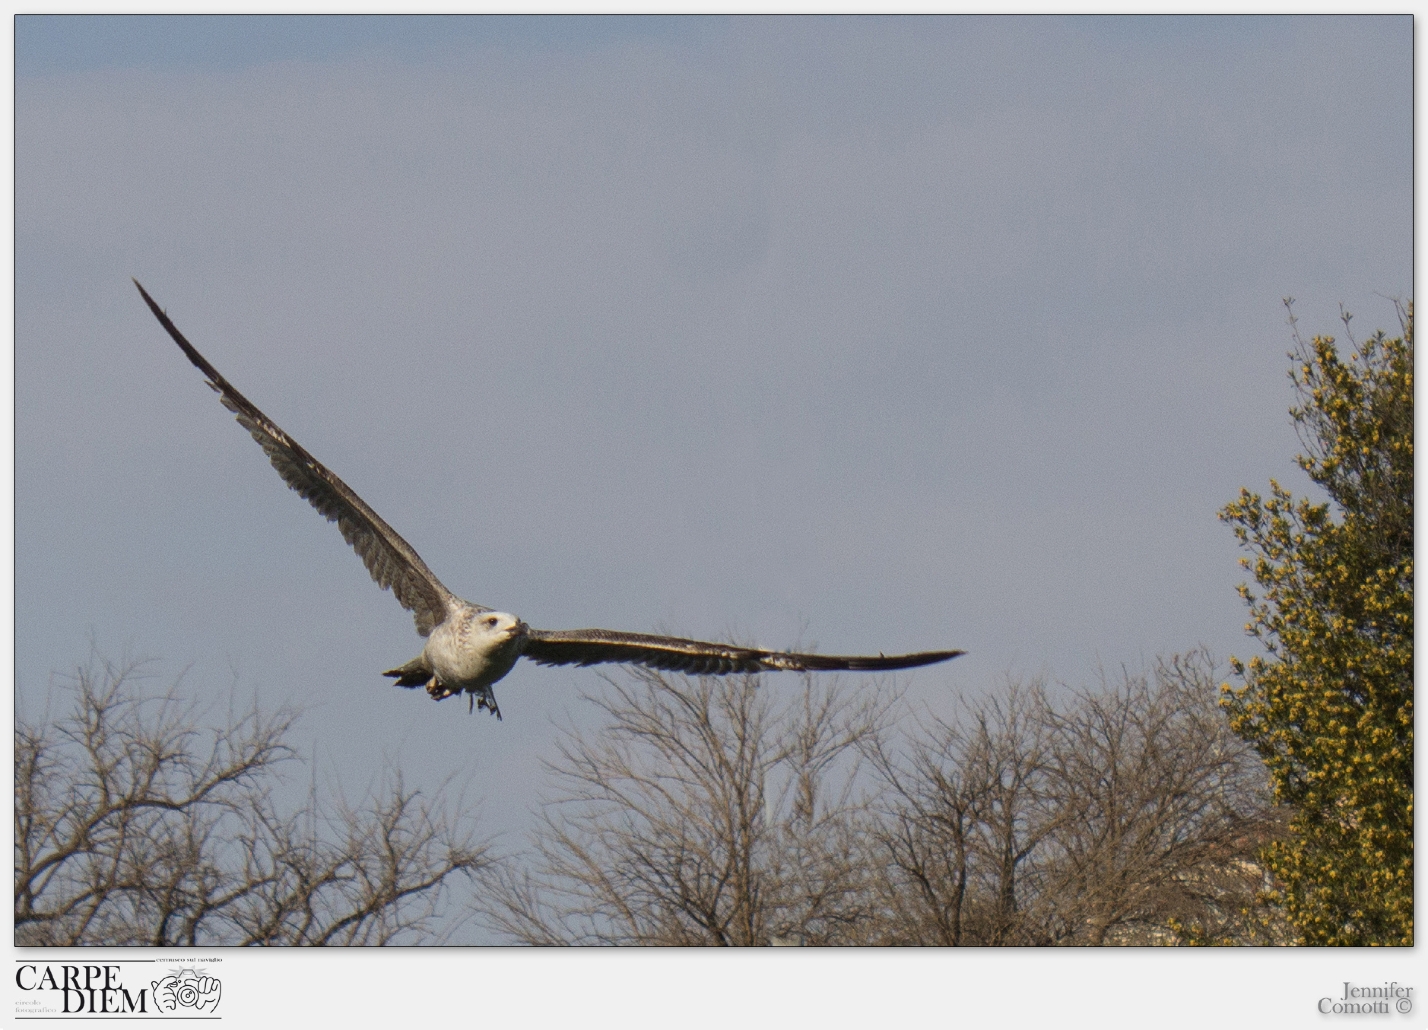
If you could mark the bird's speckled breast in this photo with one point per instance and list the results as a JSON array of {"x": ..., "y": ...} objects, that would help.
[{"x": 467, "y": 657}]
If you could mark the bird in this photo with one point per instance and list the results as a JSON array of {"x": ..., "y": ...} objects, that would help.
[{"x": 469, "y": 647}]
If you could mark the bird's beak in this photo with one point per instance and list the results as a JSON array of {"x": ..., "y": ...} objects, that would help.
[{"x": 519, "y": 629}]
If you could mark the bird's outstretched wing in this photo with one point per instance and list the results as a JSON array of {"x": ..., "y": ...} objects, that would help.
[
  {"x": 699, "y": 657},
  {"x": 390, "y": 559}
]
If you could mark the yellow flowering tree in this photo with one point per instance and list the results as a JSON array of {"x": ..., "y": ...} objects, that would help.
[{"x": 1330, "y": 706}]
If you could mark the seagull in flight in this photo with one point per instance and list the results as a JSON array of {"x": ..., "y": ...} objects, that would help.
[{"x": 469, "y": 646}]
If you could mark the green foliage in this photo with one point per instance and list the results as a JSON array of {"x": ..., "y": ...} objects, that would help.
[{"x": 1330, "y": 708}]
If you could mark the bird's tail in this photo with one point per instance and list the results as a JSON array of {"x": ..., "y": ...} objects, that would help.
[{"x": 416, "y": 673}]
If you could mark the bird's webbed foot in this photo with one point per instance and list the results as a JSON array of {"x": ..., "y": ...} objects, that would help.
[
  {"x": 486, "y": 699},
  {"x": 438, "y": 690}
]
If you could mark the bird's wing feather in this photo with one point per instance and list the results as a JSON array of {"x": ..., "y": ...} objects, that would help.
[
  {"x": 699, "y": 657},
  {"x": 391, "y": 560}
]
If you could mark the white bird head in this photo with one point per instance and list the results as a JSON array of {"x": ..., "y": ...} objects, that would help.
[{"x": 499, "y": 625}]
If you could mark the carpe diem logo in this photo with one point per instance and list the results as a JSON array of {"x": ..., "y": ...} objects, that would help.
[
  {"x": 187, "y": 990},
  {"x": 53, "y": 989}
]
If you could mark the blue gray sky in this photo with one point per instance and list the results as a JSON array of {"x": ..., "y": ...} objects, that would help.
[{"x": 869, "y": 335}]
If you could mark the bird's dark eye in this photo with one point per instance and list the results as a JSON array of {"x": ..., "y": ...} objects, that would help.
[{"x": 492, "y": 621}]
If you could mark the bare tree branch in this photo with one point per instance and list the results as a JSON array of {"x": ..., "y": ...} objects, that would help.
[
  {"x": 699, "y": 813},
  {"x": 1127, "y": 814},
  {"x": 135, "y": 826}
]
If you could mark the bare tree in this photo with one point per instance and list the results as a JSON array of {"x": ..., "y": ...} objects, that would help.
[
  {"x": 962, "y": 816},
  {"x": 701, "y": 812},
  {"x": 1128, "y": 814},
  {"x": 134, "y": 826},
  {"x": 1158, "y": 798}
]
